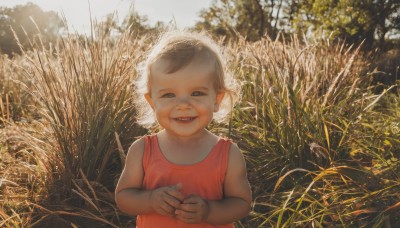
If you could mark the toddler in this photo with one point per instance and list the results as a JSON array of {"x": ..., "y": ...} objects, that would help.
[{"x": 184, "y": 175}]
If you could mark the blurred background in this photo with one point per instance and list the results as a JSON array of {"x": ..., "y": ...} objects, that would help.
[{"x": 375, "y": 23}]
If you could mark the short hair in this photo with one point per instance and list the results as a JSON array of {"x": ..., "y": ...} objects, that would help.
[{"x": 180, "y": 48}]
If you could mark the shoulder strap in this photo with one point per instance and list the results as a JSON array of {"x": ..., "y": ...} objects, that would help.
[
  {"x": 147, "y": 151},
  {"x": 224, "y": 156}
]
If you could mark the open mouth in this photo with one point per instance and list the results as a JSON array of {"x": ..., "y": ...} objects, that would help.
[{"x": 184, "y": 119}]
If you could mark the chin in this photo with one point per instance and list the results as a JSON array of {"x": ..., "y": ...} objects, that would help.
[{"x": 186, "y": 133}]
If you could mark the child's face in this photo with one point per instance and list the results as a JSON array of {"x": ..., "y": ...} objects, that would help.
[{"x": 183, "y": 101}]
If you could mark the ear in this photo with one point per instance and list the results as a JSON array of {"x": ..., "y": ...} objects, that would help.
[
  {"x": 218, "y": 100},
  {"x": 149, "y": 100}
]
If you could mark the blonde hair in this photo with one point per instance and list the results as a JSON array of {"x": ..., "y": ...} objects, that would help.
[{"x": 181, "y": 48}]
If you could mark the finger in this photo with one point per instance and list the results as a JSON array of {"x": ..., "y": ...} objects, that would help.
[
  {"x": 175, "y": 193},
  {"x": 189, "y": 207},
  {"x": 187, "y": 217},
  {"x": 185, "y": 214},
  {"x": 167, "y": 209},
  {"x": 165, "y": 213},
  {"x": 172, "y": 201},
  {"x": 192, "y": 199},
  {"x": 178, "y": 186},
  {"x": 161, "y": 211}
]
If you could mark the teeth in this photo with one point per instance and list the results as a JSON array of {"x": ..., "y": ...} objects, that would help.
[{"x": 185, "y": 118}]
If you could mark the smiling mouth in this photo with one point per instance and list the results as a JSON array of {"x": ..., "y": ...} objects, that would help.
[{"x": 184, "y": 119}]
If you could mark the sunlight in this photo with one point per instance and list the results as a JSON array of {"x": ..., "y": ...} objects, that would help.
[
  {"x": 183, "y": 13},
  {"x": 77, "y": 12}
]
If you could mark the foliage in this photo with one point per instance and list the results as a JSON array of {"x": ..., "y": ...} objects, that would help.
[
  {"x": 26, "y": 22},
  {"x": 139, "y": 24},
  {"x": 15, "y": 102},
  {"x": 386, "y": 68},
  {"x": 85, "y": 103},
  {"x": 296, "y": 92},
  {"x": 352, "y": 20},
  {"x": 252, "y": 19},
  {"x": 134, "y": 23},
  {"x": 305, "y": 124},
  {"x": 85, "y": 93}
]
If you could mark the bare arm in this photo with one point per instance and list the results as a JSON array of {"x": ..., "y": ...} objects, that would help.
[
  {"x": 130, "y": 196},
  {"x": 237, "y": 197},
  {"x": 237, "y": 193}
]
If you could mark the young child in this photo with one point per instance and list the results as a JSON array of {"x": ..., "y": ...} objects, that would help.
[{"x": 184, "y": 176}]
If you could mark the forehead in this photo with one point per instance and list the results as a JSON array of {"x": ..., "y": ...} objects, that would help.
[
  {"x": 195, "y": 69},
  {"x": 193, "y": 76}
]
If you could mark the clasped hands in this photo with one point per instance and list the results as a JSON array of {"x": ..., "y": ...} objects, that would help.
[{"x": 170, "y": 201}]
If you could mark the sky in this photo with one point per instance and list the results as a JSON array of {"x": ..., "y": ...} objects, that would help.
[{"x": 183, "y": 12}]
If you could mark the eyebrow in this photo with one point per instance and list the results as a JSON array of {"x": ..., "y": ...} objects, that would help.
[
  {"x": 202, "y": 88},
  {"x": 164, "y": 91}
]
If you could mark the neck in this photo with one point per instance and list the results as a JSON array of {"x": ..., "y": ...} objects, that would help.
[{"x": 185, "y": 139}]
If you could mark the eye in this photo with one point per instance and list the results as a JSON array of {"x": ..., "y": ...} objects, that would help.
[
  {"x": 168, "y": 95},
  {"x": 198, "y": 93}
]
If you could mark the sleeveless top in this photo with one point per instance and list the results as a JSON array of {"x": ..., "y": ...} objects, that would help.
[{"x": 204, "y": 179}]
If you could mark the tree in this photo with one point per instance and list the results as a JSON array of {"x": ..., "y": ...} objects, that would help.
[
  {"x": 352, "y": 20},
  {"x": 27, "y": 21},
  {"x": 252, "y": 18},
  {"x": 139, "y": 24},
  {"x": 134, "y": 23}
]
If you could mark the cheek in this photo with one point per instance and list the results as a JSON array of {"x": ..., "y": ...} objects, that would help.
[
  {"x": 162, "y": 107},
  {"x": 205, "y": 105}
]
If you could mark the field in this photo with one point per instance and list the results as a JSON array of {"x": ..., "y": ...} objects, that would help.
[{"x": 322, "y": 145}]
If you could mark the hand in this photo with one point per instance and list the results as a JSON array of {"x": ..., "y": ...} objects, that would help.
[
  {"x": 194, "y": 209},
  {"x": 165, "y": 200}
]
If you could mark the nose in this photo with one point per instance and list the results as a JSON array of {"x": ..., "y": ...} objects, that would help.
[{"x": 183, "y": 103}]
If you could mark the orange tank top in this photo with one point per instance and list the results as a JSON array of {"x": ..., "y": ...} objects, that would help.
[{"x": 204, "y": 179}]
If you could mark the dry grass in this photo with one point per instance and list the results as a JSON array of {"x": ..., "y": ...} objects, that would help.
[
  {"x": 315, "y": 136},
  {"x": 322, "y": 149}
]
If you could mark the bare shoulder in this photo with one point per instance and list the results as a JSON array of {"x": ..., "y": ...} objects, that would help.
[
  {"x": 132, "y": 174},
  {"x": 236, "y": 157},
  {"x": 136, "y": 150},
  {"x": 236, "y": 183}
]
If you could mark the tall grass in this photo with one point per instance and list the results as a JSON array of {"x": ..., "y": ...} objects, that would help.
[
  {"x": 15, "y": 102},
  {"x": 322, "y": 149},
  {"x": 296, "y": 92},
  {"x": 83, "y": 87},
  {"x": 303, "y": 123},
  {"x": 85, "y": 90}
]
